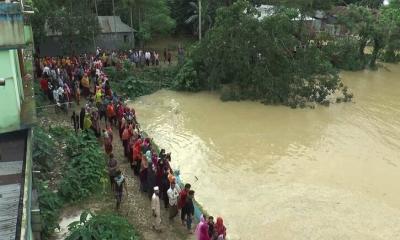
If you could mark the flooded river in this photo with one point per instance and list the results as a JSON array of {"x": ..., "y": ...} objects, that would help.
[{"x": 277, "y": 173}]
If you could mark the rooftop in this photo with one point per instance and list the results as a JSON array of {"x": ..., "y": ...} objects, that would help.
[
  {"x": 111, "y": 24},
  {"x": 12, "y": 160}
]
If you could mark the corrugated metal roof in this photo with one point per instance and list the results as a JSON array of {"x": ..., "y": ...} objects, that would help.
[
  {"x": 111, "y": 24},
  {"x": 9, "y": 200},
  {"x": 12, "y": 155}
]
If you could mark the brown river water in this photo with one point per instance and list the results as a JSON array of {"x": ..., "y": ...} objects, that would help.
[{"x": 278, "y": 173}]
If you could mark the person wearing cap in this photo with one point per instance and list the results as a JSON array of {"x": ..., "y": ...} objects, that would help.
[{"x": 156, "y": 211}]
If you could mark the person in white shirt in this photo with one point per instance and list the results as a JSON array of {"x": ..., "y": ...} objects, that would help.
[
  {"x": 147, "y": 56},
  {"x": 46, "y": 70},
  {"x": 156, "y": 210},
  {"x": 173, "y": 195}
]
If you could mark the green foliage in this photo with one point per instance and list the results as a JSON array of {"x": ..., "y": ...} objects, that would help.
[
  {"x": 85, "y": 172},
  {"x": 344, "y": 54},
  {"x": 135, "y": 83},
  {"x": 193, "y": 19},
  {"x": 369, "y": 27},
  {"x": 255, "y": 59},
  {"x": 44, "y": 149},
  {"x": 184, "y": 10},
  {"x": 390, "y": 25},
  {"x": 50, "y": 205},
  {"x": 149, "y": 18},
  {"x": 74, "y": 20},
  {"x": 101, "y": 226},
  {"x": 40, "y": 97},
  {"x": 187, "y": 79}
]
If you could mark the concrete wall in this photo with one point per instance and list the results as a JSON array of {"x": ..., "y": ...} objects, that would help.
[
  {"x": 11, "y": 25},
  {"x": 11, "y": 94}
]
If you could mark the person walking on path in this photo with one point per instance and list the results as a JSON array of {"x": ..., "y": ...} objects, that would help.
[
  {"x": 173, "y": 195},
  {"x": 120, "y": 185},
  {"x": 155, "y": 208},
  {"x": 112, "y": 170}
]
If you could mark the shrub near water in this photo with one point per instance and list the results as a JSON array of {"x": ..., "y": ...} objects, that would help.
[
  {"x": 50, "y": 205},
  {"x": 138, "y": 82},
  {"x": 85, "y": 171},
  {"x": 344, "y": 54},
  {"x": 101, "y": 226}
]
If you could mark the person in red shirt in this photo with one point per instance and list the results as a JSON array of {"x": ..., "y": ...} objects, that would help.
[
  {"x": 44, "y": 85},
  {"x": 182, "y": 200},
  {"x": 111, "y": 113}
]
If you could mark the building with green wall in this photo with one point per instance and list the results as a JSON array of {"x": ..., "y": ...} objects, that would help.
[{"x": 17, "y": 114}]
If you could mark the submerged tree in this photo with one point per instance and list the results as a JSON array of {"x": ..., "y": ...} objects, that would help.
[{"x": 262, "y": 60}]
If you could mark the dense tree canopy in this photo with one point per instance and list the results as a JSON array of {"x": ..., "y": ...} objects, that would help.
[
  {"x": 74, "y": 20},
  {"x": 262, "y": 60}
]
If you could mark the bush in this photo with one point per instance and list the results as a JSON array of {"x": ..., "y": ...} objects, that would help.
[
  {"x": 85, "y": 172},
  {"x": 187, "y": 79},
  {"x": 101, "y": 226},
  {"x": 50, "y": 205},
  {"x": 137, "y": 83},
  {"x": 44, "y": 148},
  {"x": 344, "y": 54}
]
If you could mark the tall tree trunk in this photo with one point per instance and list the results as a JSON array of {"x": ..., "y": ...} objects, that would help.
[
  {"x": 363, "y": 43},
  {"x": 132, "y": 36},
  {"x": 199, "y": 20},
  {"x": 377, "y": 48}
]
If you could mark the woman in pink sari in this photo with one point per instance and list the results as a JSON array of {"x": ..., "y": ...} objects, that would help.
[
  {"x": 202, "y": 222},
  {"x": 203, "y": 232}
]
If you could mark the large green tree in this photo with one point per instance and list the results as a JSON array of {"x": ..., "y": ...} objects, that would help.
[
  {"x": 149, "y": 18},
  {"x": 389, "y": 21},
  {"x": 73, "y": 20},
  {"x": 262, "y": 60}
]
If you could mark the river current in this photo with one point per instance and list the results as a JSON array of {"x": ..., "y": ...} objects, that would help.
[{"x": 278, "y": 173}]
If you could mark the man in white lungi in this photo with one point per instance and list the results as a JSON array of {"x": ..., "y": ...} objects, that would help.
[{"x": 155, "y": 207}]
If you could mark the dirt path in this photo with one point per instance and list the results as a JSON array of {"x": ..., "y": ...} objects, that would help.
[{"x": 136, "y": 208}]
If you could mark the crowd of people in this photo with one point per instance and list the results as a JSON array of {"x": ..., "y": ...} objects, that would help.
[{"x": 65, "y": 79}]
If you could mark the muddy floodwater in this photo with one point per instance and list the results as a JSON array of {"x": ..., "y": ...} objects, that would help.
[{"x": 277, "y": 173}]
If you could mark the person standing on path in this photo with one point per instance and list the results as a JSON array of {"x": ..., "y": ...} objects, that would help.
[
  {"x": 155, "y": 208},
  {"x": 120, "y": 184},
  {"x": 112, "y": 170},
  {"x": 82, "y": 118},
  {"x": 220, "y": 229},
  {"x": 182, "y": 200},
  {"x": 188, "y": 210},
  {"x": 75, "y": 121},
  {"x": 173, "y": 195},
  {"x": 169, "y": 57}
]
